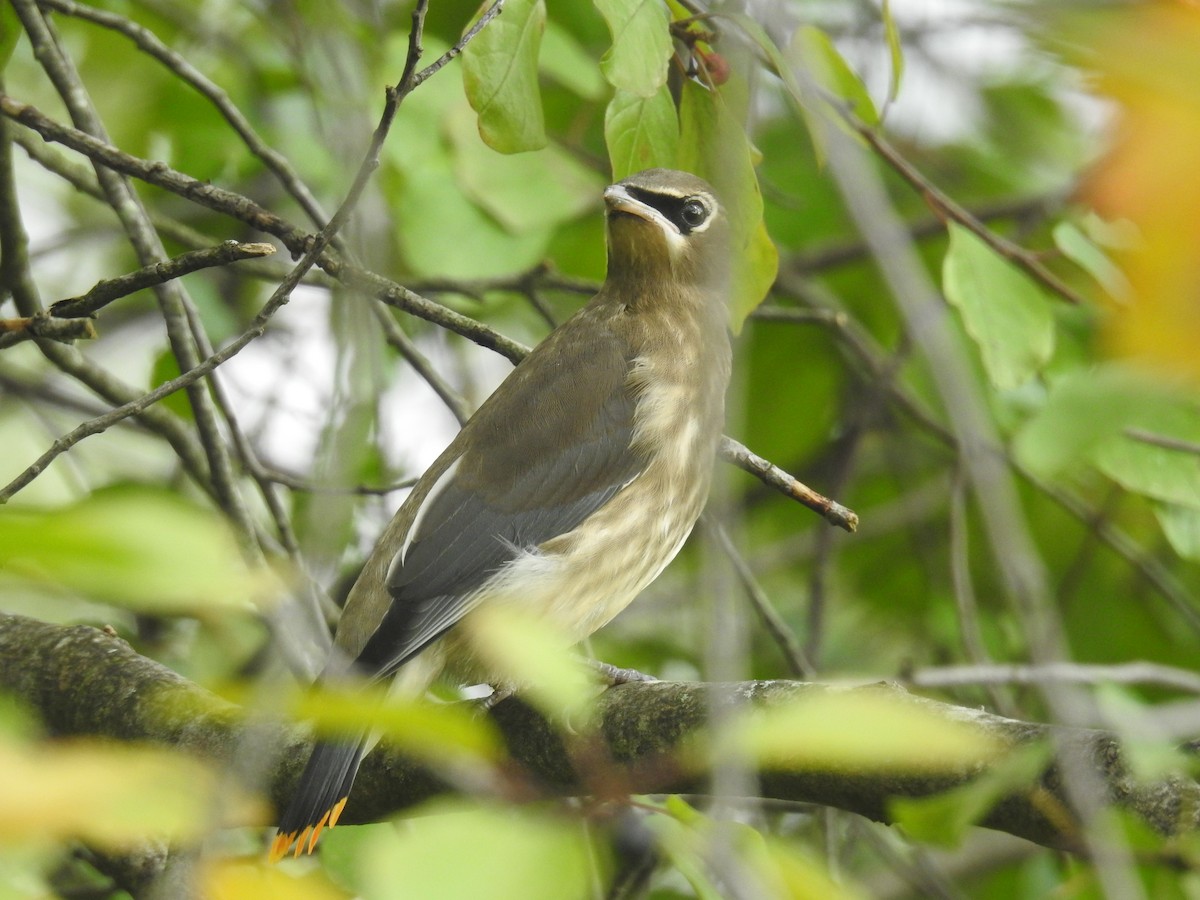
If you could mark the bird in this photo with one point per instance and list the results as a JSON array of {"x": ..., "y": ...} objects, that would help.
[{"x": 571, "y": 487}]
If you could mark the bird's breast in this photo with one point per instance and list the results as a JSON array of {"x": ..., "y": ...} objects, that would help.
[{"x": 581, "y": 580}]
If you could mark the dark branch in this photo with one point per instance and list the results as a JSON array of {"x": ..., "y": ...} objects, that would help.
[
  {"x": 86, "y": 682},
  {"x": 111, "y": 289}
]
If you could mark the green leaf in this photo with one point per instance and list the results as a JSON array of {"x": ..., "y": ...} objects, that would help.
[
  {"x": 500, "y": 74},
  {"x": 1164, "y": 473},
  {"x": 529, "y": 652},
  {"x": 641, "y": 132},
  {"x": 443, "y": 233},
  {"x": 641, "y": 47},
  {"x": 10, "y": 33},
  {"x": 114, "y": 795},
  {"x": 1005, "y": 313},
  {"x": 713, "y": 145},
  {"x": 566, "y": 61},
  {"x": 436, "y": 207},
  {"x": 833, "y": 73},
  {"x": 679, "y": 836},
  {"x": 895, "y": 50},
  {"x": 1181, "y": 525},
  {"x": 166, "y": 367},
  {"x": 135, "y": 548},
  {"x": 778, "y": 869},
  {"x": 1078, "y": 247},
  {"x": 499, "y": 184},
  {"x": 441, "y": 734},
  {"x": 822, "y": 730},
  {"x": 512, "y": 854},
  {"x": 1084, "y": 410}
]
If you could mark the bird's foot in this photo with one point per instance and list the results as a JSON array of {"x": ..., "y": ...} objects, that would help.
[
  {"x": 615, "y": 675},
  {"x": 496, "y": 697}
]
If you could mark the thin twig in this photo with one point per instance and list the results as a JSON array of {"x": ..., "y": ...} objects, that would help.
[
  {"x": 1145, "y": 673},
  {"x": 770, "y": 312},
  {"x": 161, "y": 175},
  {"x": 246, "y": 210},
  {"x": 842, "y": 253},
  {"x": 965, "y": 604},
  {"x": 402, "y": 298},
  {"x": 539, "y": 277},
  {"x": 83, "y": 180},
  {"x": 146, "y": 243},
  {"x": 111, "y": 289},
  {"x": 65, "y": 331},
  {"x": 776, "y": 627},
  {"x": 867, "y": 352},
  {"x": 282, "y": 294},
  {"x": 144, "y": 402},
  {"x": 1162, "y": 440},
  {"x": 153, "y": 46},
  {"x": 296, "y": 483},
  {"x": 245, "y": 451},
  {"x": 396, "y": 337},
  {"x": 412, "y": 79},
  {"x": 770, "y": 474},
  {"x": 15, "y": 273},
  {"x": 944, "y": 206}
]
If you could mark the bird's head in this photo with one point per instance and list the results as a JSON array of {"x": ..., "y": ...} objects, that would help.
[{"x": 666, "y": 226}]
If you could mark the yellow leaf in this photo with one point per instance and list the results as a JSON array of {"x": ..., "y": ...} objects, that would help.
[
  {"x": 824, "y": 730},
  {"x": 241, "y": 880},
  {"x": 1148, "y": 58},
  {"x": 114, "y": 795}
]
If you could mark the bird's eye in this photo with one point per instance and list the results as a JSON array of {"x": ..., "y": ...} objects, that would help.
[{"x": 693, "y": 213}]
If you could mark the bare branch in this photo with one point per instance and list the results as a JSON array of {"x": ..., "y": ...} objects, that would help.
[
  {"x": 150, "y": 44},
  {"x": 173, "y": 302},
  {"x": 1134, "y": 673},
  {"x": 111, "y": 289},
  {"x": 777, "y": 628},
  {"x": 945, "y": 207},
  {"x": 246, "y": 210},
  {"x": 65, "y": 331},
  {"x": 770, "y": 474},
  {"x": 1162, "y": 440}
]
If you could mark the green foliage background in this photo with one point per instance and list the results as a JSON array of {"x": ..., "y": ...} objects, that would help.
[{"x": 487, "y": 200}]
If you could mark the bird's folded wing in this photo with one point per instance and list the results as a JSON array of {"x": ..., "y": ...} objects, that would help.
[{"x": 541, "y": 457}]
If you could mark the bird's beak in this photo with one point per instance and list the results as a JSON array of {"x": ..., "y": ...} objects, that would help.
[{"x": 619, "y": 200}]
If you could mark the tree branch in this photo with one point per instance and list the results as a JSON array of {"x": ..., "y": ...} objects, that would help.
[
  {"x": 110, "y": 289},
  {"x": 84, "y": 681}
]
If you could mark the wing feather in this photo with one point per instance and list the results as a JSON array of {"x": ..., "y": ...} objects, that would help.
[{"x": 541, "y": 455}]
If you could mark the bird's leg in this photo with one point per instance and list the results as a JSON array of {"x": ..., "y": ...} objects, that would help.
[
  {"x": 614, "y": 675},
  {"x": 498, "y": 695}
]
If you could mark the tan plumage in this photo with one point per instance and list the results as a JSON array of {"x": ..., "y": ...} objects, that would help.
[{"x": 573, "y": 485}]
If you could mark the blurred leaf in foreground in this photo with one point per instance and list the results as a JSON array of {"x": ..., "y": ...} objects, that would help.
[
  {"x": 823, "y": 730},
  {"x": 463, "y": 850},
  {"x": 115, "y": 795},
  {"x": 1147, "y": 59},
  {"x": 147, "y": 550}
]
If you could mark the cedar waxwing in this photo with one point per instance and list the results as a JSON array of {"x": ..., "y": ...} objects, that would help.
[{"x": 569, "y": 490}]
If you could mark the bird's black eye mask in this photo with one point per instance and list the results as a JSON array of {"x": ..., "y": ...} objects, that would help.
[{"x": 685, "y": 213}]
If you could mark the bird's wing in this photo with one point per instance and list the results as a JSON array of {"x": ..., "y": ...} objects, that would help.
[{"x": 541, "y": 456}]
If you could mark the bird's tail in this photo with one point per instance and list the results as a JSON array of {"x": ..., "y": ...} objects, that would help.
[{"x": 319, "y": 797}]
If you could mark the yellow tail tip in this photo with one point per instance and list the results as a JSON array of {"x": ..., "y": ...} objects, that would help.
[
  {"x": 280, "y": 846},
  {"x": 305, "y": 839}
]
